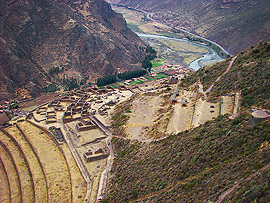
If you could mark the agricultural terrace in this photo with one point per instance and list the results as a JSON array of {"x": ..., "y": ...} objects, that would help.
[{"x": 60, "y": 151}]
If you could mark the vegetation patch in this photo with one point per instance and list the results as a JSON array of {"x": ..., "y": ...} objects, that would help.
[
  {"x": 249, "y": 74},
  {"x": 159, "y": 76},
  {"x": 158, "y": 62},
  {"x": 201, "y": 164},
  {"x": 134, "y": 28},
  {"x": 181, "y": 166},
  {"x": 120, "y": 117}
]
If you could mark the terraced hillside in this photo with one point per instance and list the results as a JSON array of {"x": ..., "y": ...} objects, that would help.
[
  {"x": 225, "y": 159},
  {"x": 34, "y": 168}
]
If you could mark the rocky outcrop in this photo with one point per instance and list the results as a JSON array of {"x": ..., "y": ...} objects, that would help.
[{"x": 85, "y": 37}]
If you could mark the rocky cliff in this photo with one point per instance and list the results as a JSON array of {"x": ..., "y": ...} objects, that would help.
[
  {"x": 235, "y": 24},
  {"x": 84, "y": 38}
]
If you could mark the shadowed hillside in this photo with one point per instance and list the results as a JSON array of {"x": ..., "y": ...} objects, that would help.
[{"x": 80, "y": 38}]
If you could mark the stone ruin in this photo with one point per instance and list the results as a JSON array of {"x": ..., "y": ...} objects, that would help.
[
  {"x": 42, "y": 110},
  {"x": 54, "y": 103},
  {"x": 89, "y": 156},
  {"x": 85, "y": 125},
  {"x": 79, "y": 107},
  {"x": 258, "y": 116},
  {"x": 57, "y": 133},
  {"x": 68, "y": 116},
  {"x": 51, "y": 117}
]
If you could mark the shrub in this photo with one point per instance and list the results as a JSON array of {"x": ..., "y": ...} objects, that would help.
[
  {"x": 134, "y": 193},
  {"x": 236, "y": 121},
  {"x": 255, "y": 51}
]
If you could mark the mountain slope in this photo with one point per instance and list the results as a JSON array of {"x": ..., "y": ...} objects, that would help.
[
  {"x": 85, "y": 38},
  {"x": 249, "y": 74},
  {"x": 235, "y": 24},
  {"x": 202, "y": 164}
]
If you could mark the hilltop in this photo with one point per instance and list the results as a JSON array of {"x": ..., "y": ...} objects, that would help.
[
  {"x": 202, "y": 164},
  {"x": 235, "y": 24},
  {"x": 61, "y": 41}
]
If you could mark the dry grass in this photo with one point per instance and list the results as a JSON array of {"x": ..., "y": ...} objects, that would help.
[
  {"x": 36, "y": 170},
  {"x": 79, "y": 185},
  {"x": 144, "y": 112},
  {"x": 27, "y": 187},
  {"x": 53, "y": 162},
  {"x": 13, "y": 177},
  {"x": 182, "y": 116},
  {"x": 4, "y": 186},
  {"x": 227, "y": 105}
]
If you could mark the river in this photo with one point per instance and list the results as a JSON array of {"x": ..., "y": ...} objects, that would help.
[{"x": 210, "y": 58}]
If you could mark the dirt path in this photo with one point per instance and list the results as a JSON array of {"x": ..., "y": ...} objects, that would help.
[
  {"x": 104, "y": 175},
  {"x": 212, "y": 85},
  {"x": 229, "y": 191}
]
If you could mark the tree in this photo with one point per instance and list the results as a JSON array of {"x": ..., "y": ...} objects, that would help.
[
  {"x": 150, "y": 50},
  {"x": 146, "y": 64},
  {"x": 109, "y": 79},
  {"x": 131, "y": 74}
]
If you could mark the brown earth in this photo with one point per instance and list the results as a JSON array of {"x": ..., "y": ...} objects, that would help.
[
  {"x": 235, "y": 24},
  {"x": 3, "y": 117},
  {"x": 85, "y": 38}
]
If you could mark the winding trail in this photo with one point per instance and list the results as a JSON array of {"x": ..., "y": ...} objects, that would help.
[
  {"x": 212, "y": 85},
  {"x": 229, "y": 191}
]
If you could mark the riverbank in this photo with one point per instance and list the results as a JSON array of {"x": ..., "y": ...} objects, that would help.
[
  {"x": 188, "y": 35},
  {"x": 169, "y": 45},
  {"x": 209, "y": 58}
]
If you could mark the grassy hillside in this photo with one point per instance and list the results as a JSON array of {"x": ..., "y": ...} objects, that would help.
[
  {"x": 193, "y": 166},
  {"x": 200, "y": 165},
  {"x": 250, "y": 73}
]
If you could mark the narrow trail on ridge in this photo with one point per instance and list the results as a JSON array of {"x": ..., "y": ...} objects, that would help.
[
  {"x": 237, "y": 185},
  {"x": 212, "y": 85}
]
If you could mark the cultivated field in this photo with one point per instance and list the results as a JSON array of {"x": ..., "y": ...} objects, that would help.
[
  {"x": 35, "y": 168},
  {"x": 177, "y": 52}
]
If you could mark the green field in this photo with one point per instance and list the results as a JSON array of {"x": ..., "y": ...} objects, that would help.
[
  {"x": 134, "y": 28},
  {"x": 168, "y": 34},
  {"x": 158, "y": 62},
  {"x": 159, "y": 76},
  {"x": 148, "y": 78},
  {"x": 137, "y": 82},
  {"x": 120, "y": 83},
  {"x": 114, "y": 86}
]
